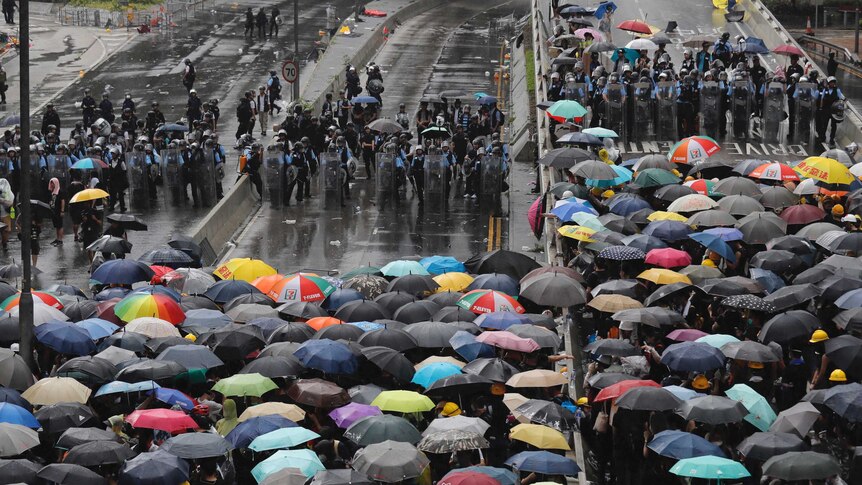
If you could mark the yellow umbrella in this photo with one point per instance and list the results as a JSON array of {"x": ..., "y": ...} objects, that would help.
[
  {"x": 537, "y": 378},
  {"x": 662, "y": 276},
  {"x": 666, "y": 216},
  {"x": 434, "y": 359},
  {"x": 454, "y": 281},
  {"x": 827, "y": 170},
  {"x": 539, "y": 436},
  {"x": 89, "y": 194},
  {"x": 614, "y": 303},
  {"x": 246, "y": 269},
  {"x": 403, "y": 402},
  {"x": 579, "y": 233},
  {"x": 52, "y": 390},
  {"x": 289, "y": 411}
]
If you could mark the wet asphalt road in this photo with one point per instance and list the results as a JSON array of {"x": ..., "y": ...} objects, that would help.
[
  {"x": 450, "y": 47},
  {"x": 150, "y": 69}
]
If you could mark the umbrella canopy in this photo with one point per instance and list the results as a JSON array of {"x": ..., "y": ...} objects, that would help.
[
  {"x": 648, "y": 399},
  {"x": 318, "y": 392},
  {"x": 801, "y": 465},
  {"x": 762, "y": 446},
  {"x": 546, "y": 413},
  {"x": 797, "y": 419},
  {"x": 245, "y": 432},
  {"x": 245, "y": 385},
  {"x": 377, "y": 429},
  {"x": 680, "y": 445},
  {"x": 394, "y": 363},
  {"x": 69, "y": 473},
  {"x": 154, "y": 467},
  {"x": 288, "y": 411},
  {"x": 713, "y": 410},
  {"x": 509, "y": 341},
  {"x": 329, "y": 356},
  {"x": 15, "y": 439},
  {"x": 709, "y": 467},
  {"x": 543, "y": 462},
  {"x": 282, "y": 438},
  {"x": 536, "y": 378},
  {"x": 122, "y": 271},
  {"x": 305, "y": 460},
  {"x": 760, "y": 413},
  {"x": 52, "y": 390},
  {"x": 390, "y": 461},
  {"x": 161, "y": 419},
  {"x": 98, "y": 453}
]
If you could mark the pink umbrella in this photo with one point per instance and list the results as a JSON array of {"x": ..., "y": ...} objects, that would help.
[
  {"x": 161, "y": 419},
  {"x": 686, "y": 335},
  {"x": 595, "y": 33},
  {"x": 508, "y": 340},
  {"x": 668, "y": 258},
  {"x": 345, "y": 416},
  {"x": 534, "y": 216},
  {"x": 788, "y": 50}
]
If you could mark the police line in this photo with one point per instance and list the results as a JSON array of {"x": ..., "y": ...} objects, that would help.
[{"x": 792, "y": 152}]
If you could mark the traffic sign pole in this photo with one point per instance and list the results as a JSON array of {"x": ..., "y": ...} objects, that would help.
[{"x": 296, "y": 48}]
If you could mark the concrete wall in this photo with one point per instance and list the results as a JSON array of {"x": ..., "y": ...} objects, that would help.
[
  {"x": 523, "y": 149},
  {"x": 229, "y": 215}
]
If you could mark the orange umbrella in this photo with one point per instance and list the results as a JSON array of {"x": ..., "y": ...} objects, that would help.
[
  {"x": 616, "y": 390},
  {"x": 265, "y": 283},
  {"x": 318, "y": 323}
]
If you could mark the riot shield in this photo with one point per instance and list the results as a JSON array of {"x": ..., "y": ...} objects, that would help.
[
  {"x": 139, "y": 179},
  {"x": 805, "y": 104},
  {"x": 5, "y": 167},
  {"x": 579, "y": 92},
  {"x": 435, "y": 180},
  {"x": 773, "y": 112},
  {"x": 204, "y": 174},
  {"x": 331, "y": 180},
  {"x": 58, "y": 167},
  {"x": 710, "y": 108},
  {"x": 616, "y": 109},
  {"x": 385, "y": 177},
  {"x": 172, "y": 175},
  {"x": 489, "y": 179},
  {"x": 273, "y": 175},
  {"x": 644, "y": 111},
  {"x": 666, "y": 111},
  {"x": 740, "y": 108}
]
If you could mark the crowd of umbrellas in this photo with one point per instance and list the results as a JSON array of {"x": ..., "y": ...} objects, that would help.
[{"x": 404, "y": 373}]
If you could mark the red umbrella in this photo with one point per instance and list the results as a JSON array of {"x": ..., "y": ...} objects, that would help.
[
  {"x": 159, "y": 271},
  {"x": 467, "y": 478},
  {"x": 616, "y": 390},
  {"x": 105, "y": 311},
  {"x": 508, "y": 341},
  {"x": 779, "y": 172},
  {"x": 534, "y": 216},
  {"x": 686, "y": 334},
  {"x": 668, "y": 258},
  {"x": 161, "y": 419},
  {"x": 788, "y": 50},
  {"x": 802, "y": 214},
  {"x": 635, "y": 26}
]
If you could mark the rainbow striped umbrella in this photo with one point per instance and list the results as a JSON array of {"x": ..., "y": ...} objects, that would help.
[
  {"x": 488, "y": 301},
  {"x": 147, "y": 304},
  {"x": 46, "y": 298},
  {"x": 301, "y": 287},
  {"x": 693, "y": 149},
  {"x": 89, "y": 164}
]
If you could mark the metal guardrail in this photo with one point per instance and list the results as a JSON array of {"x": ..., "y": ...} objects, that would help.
[
  {"x": 158, "y": 17},
  {"x": 821, "y": 48}
]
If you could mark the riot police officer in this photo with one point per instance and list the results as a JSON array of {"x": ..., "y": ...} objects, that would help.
[
  {"x": 686, "y": 105},
  {"x": 830, "y": 110},
  {"x": 417, "y": 172},
  {"x": 300, "y": 163},
  {"x": 106, "y": 108},
  {"x": 88, "y": 108},
  {"x": 118, "y": 182},
  {"x": 343, "y": 164}
]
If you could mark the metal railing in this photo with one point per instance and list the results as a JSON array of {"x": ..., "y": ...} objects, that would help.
[
  {"x": 161, "y": 16},
  {"x": 820, "y": 48}
]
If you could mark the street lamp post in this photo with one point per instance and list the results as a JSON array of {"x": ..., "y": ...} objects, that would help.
[
  {"x": 25, "y": 305},
  {"x": 296, "y": 87}
]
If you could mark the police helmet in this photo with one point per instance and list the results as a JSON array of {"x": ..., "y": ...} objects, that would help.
[{"x": 831, "y": 79}]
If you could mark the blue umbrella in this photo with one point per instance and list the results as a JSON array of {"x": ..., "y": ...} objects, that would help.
[
  {"x": 851, "y": 299},
  {"x": 154, "y": 467},
  {"x": 767, "y": 279},
  {"x": 496, "y": 281},
  {"x": 65, "y": 338},
  {"x": 97, "y": 328},
  {"x": 631, "y": 54},
  {"x": 692, "y": 357},
  {"x": 172, "y": 396},
  {"x": 466, "y": 345},
  {"x": 122, "y": 272},
  {"x": 544, "y": 462},
  {"x": 327, "y": 356},
  {"x": 431, "y": 373},
  {"x": 625, "y": 206},
  {"x": 714, "y": 243},
  {"x": 487, "y": 100},
  {"x": 573, "y": 10},
  {"x": 111, "y": 293},
  {"x": 505, "y": 477},
  {"x": 668, "y": 231},
  {"x": 226, "y": 290},
  {"x": 364, "y": 99},
  {"x": 683, "y": 393},
  {"x": 14, "y": 414},
  {"x": 159, "y": 290},
  {"x": 268, "y": 325},
  {"x": 500, "y": 320},
  {"x": 442, "y": 264},
  {"x": 752, "y": 45},
  {"x": 727, "y": 234},
  {"x": 603, "y": 7},
  {"x": 14, "y": 397},
  {"x": 570, "y": 207},
  {"x": 120, "y": 387},
  {"x": 623, "y": 175},
  {"x": 282, "y": 438},
  {"x": 207, "y": 318},
  {"x": 340, "y": 297},
  {"x": 173, "y": 127},
  {"x": 367, "y": 326},
  {"x": 680, "y": 445},
  {"x": 244, "y": 433}
]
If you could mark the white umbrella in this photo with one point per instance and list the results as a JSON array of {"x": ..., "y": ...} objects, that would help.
[
  {"x": 462, "y": 423},
  {"x": 642, "y": 44}
]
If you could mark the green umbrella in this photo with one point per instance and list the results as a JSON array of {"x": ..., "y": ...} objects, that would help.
[
  {"x": 760, "y": 414},
  {"x": 709, "y": 467},
  {"x": 566, "y": 109},
  {"x": 305, "y": 460},
  {"x": 374, "y": 270},
  {"x": 283, "y": 438},
  {"x": 601, "y": 132},
  {"x": 655, "y": 177},
  {"x": 252, "y": 384}
]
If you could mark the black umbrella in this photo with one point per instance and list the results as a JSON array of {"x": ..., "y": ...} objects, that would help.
[
  {"x": 362, "y": 311},
  {"x": 156, "y": 346},
  {"x": 777, "y": 260},
  {"x": 69, "y": 474},
  {"x": 226, "y": 290},
  {"x": 196, "y": 302},
  {"x": 605, "y": 379},
  {"x": 77, "y": 436},
  {"x": 763, "y": 446},
  {"x": 88, "y": 370},
  {"x": 12, "y": 271},
  {"x": 612, "y": 347},
  {"x": 125, "y": 340},
  {"x": 57, "y": 418},
  {"x": 547, "y": 413},
  {"x": 787, "y": 326},
  {"x": 98, "y": 453},
  {"x": 666, "y": 291},
  {"x": 459, "y": 384},
  {"x": 110, "y": 244},
  {"x": 9, "y": 330},
  {"x": 336, "y": 477},
  {"x": 414, "y": 284},
  {"x": 749, "y": 302},
  {"x": 511, "y": 263},
  {"x": 833, "y": 287},
  {"x": 432, "y": 334},
  {"x": 801, "y": 465},
  {"x": 272, "y": 366},
  {"x": 648, "y": 399},
  {"x": 790, "y": 296},
  {"x": 849, "y": 320},
  {"x": 368, "y": 284},
  {"x": 191, "y": 356},
  {"x": 757, "y": 228},
  {"x": 80, "y": 310},
  {"x": 155, "y": 467},
  {"x": 494, "y": 369},
  {"x": 388, "y": 337},
  {"x": 304, "y": 310},
  {"x": 417, "y": 311},
  {"x": 670, "y": 193},
  {"x": 292, "y": 332},
  {"x": 713, "y": 410},
  {"x": 234, "y": 342},
  {"x": 170, "y": 257},
  {"x": 392, "y": 301},
  {"x": 565, "y": 158},
  {"x": 150, "y": 370},
  {"x": 128, "y": 222},
  {"x": 453, "y": 314},
  {"x": 14, "y": 397},
  {"x": 625, "y": 287},
  {"x": 795, "y": 244},
  {"x": 350, "y": 333},
  {"x": 445, "y": 298},
  {"x": 749, "y": 351},
  {"x": 18, "y": 471},
  {"x": 249, "y": 299},
  {"x": 547, "y": 339},
  {"x": 846, "y": 352},
  {"x": 390, "y": 361},
  {"x": 193, "y": 446},
  {"x": 187, "y": 245},
  {"x": 652, "y": 316},
  {"x": 279, "y": 349},
  {"x": 14, "y": 372}
]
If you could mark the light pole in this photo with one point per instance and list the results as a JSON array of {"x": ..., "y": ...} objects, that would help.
[
  {"x": 296, "y": 87},
  {"x": 25, "y": 305}
]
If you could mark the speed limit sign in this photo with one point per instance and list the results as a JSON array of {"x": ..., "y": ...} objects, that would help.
[{"x": 289, "y": 71}]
